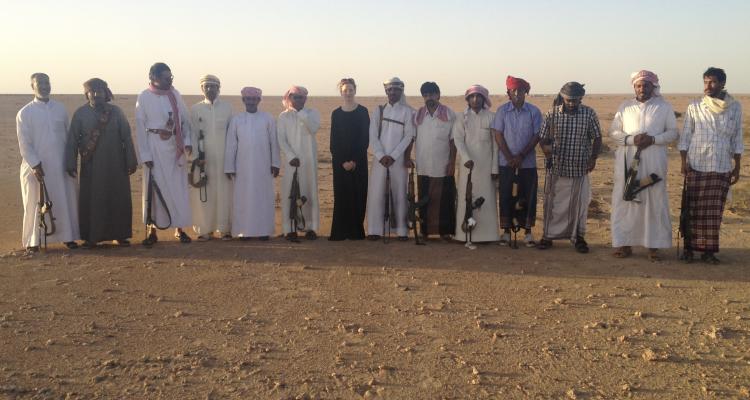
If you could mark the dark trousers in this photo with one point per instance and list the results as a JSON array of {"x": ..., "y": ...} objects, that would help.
[{"x": 527, "y": 188}]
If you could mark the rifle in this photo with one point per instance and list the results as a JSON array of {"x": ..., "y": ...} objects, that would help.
[
  {"x": 389, "y": 216},
  {"x": 45, "y": 207},
  {"x": 413, "y": 217},
  {"x": 684, "y": 231},
  {"x": 296, "y": 201},
  {"x": 634, "y": 186},
  {"x": 152, "y": 188},
  {"x": 469, "y": 222},
  {"x": 520, "y": 209},
  {"x": 199, "y": 163}
]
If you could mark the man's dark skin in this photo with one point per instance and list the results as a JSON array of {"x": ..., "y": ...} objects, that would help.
[
  {"x": 394, "y": 94},
  {"x": 251, "y": 106},
  {"x": 298, "y": 103},
  {"x": 712, "y": 87}
]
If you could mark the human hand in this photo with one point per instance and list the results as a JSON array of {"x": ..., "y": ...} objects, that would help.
[
  {"x": 735, "y": 176},
  {"x": 229, "y": 175},
  {"x": 274, "y": 171},
  {"x": 294, "y": 162},
  {"x": 592, "y": 164},
  {"x": 38, "y": 172},
  {"x": 72, "y": 173},
  {"x": 469, "y": 164},
  {"x": 149, "y": 164},
  {"x": 188, "y": 150},
  {"x": 685, "y": 168},
  {"x": 387, "y": 161}
]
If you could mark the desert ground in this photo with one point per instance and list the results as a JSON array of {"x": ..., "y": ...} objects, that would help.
[{"x": 349, "y": 320}]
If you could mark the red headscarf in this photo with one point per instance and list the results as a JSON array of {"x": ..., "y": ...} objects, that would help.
[{"x": 517, "y": 83}]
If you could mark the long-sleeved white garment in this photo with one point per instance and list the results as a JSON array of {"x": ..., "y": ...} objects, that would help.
[
  {"x": 432, "y": 145},
  {"x": 393, "y": 141},
  {"x": 296, "y": 135},
  {"x": 645, "y": 223},
  {"x": 169, "y": 171},
  {"x": 252, "y": 149},
  {"x": 474, "y": 142},
  {"x": 213, "y": 121},
  {"x": 42, "y": 130}
]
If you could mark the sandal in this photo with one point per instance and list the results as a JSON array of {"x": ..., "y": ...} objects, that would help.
[
  {"x": 71, "y": 245},
  {"x": 311, "y": 235},
  {"x": 623, "y": 252},
  {"x": 226, "y": 237},
  {"x": 544, "y": 244},
  {"x": 123, "y": 242},
  {"x": 32, "y": 249},
  {"x": 204, "y": 238},
  {"x": 373, "y": 238},
  {"x": 88, "y": 245},
  {"x": 184, "y": 238},
  {"x": 687, "y": 256},
  {"x": 403, "y": 239},
  {"x": 150, "y": 240},
  {"x": 709, "y": 258},
  {"x": 653, "y": 255},
  {"x": 581, "y": 245}
]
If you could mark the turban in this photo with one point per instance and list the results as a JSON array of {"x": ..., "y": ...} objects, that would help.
[
  {"x": 249, "y": 91},
  {"x": 393, "y": 82},
  {"x": 210, "y": 79},
  {"x": 517, "y": 83},
  {"x": 648, "y": 76},
  {"x": 429, "y": 87},
  {"x": 97, "y": 84},
  {"x": 572, "y": 91},
  {"x": 298, "y": 90},
  {"x": 482, "y": 92}
]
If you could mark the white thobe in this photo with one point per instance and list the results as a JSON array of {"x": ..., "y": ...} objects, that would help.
[
  {"x": 169, "y": 171},
  {"x": 42, "y": 130},
  {"x": 252, "y": 149},
  {"x": 474, "y": 141},
  {"x": 432, "y": 147},
  {"x": 392, "y": 141},
  {"x": 296, "y": 133},
  {"x": 645, "y": 223},
  {"x": 215, "y": 213}
]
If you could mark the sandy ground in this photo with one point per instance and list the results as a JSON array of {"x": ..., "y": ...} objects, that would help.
[{"x": 368, "y": 320}]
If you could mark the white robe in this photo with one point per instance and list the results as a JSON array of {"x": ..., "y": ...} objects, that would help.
[
  {"x": 393, "y": 141},
  {"x": 215, "y": 213},
  {"x": 296, "y": 134},
  {"x": 42, "y": 130},
  {"x": 474, "y": 142},
  {"x": 170, "y": 172},
  {"x": 252, "y": 149},
  {"x": 646, "y": 223}
]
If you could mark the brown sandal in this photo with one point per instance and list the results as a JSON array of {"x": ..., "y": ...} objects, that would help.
[
  {"x": 653, "y": 255},
  {"x": 623, "y": 252}
]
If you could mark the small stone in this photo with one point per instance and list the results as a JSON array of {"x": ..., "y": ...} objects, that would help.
[
  {"x": 659, "y": 285},
  {"x": 179, "y": 314},
  {"x": 49, "y": 342},
  {"x": 474, "y": 371},
  {"x": 571, "y": 394}
]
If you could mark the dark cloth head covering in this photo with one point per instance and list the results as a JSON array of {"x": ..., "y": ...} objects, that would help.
[
  {"x": 513, "y": 83},
  {"x": 429, "y": 87},
  {"x": 570, "y": 91},
  {"x": 97, "y": 84}
]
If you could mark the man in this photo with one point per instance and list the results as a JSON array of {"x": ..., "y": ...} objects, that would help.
[
  {"x": 42, "y": 129},
  {"x": 478, "y": 153},
  {"x": 252, "y": 159},
  {"x": 100, "y": 133},
  {"x": 646, "y": 124},
  {"x": 391, "y": 132},
  {"x": 436, "y": 161},
  {"x": 296, "y": 129},
  {"x": 164, "y": 143},
  {"x": 516, "y": 129},
  {"x": 571, "y": 139},
  {"x": 211, "y": 201},
  {"x": 711, "y": 138}
]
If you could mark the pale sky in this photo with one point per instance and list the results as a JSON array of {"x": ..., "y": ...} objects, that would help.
[{"x": 274, "y": 44}]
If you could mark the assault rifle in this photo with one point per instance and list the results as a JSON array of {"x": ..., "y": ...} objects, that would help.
[
  {"x": 414, "y": 217},
  {"x": 684, "y": 231},
  {"x": 633, "y": 186},
  {"x": 44, "y": 208},
  {"x": 151, "y": 189},
  {"x": 296, "y": 201},
  {"x": 200, "y": 164},
  {"x": 389, "y": 215},
  {"x": 520, "y": 209},
  {"x": 469, "y": 222}
]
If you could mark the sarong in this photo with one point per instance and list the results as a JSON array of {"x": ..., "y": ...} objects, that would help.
[
  {"x": 527, "y": 188},
  {"x": 566, "y": 206},
  {"x": 439, "y": 213},
  {"x": 707, "y": 194}
]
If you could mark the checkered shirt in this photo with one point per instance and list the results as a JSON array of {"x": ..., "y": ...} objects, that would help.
[
  {"x": 711, "y": 140},
  {"x": 572, "y": 139}
]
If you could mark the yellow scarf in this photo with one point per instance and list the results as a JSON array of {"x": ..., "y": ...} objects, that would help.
[{"x": 717, "y": 105}]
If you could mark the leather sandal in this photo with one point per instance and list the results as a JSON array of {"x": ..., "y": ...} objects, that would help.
[
  {"x": 623, "y": 252},
  {"x": 581, "y": 245},
  {"x": 150, "y": 240},
  {"x": 184, "y": 238},
  {"x": 544, "y": 244}
]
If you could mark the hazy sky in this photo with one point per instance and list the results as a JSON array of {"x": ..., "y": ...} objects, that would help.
[{"x": 274, "y": 44}]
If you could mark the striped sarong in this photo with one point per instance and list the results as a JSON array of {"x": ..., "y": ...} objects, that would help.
[{"x": 566, "y": 206}]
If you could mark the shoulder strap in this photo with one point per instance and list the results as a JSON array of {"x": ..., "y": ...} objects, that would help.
[{"x": 380, "y": 122}]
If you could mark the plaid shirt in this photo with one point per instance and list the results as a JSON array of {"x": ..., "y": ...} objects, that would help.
[
  {"x": 572, "y": 139},
  {"x": 711, "y": 140}
]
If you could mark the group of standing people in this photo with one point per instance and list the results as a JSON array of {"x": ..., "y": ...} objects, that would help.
[{"x": 233, "y": 160}]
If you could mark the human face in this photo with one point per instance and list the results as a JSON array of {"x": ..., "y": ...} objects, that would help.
[
  {"x": 163, "y": 80},
  {"x": 97, "y": 96},
  {"x": 210, "y": 91},
  {"x": 571, "y": 105},
  {"x": 348, "y": 91},
  {"x": 643, "y": 90},
  {"x": 475, "y": 101},
  {"x": 431, "y": 100},
  {"x": 394, "y": 94},
  {"x": 251, "y": 103},
  {"x": 517, "y": 96},
  {"x": 41, "y": 86},
  {"x": 298, "y": 101},
  {"x": 712, "y": 87}
]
